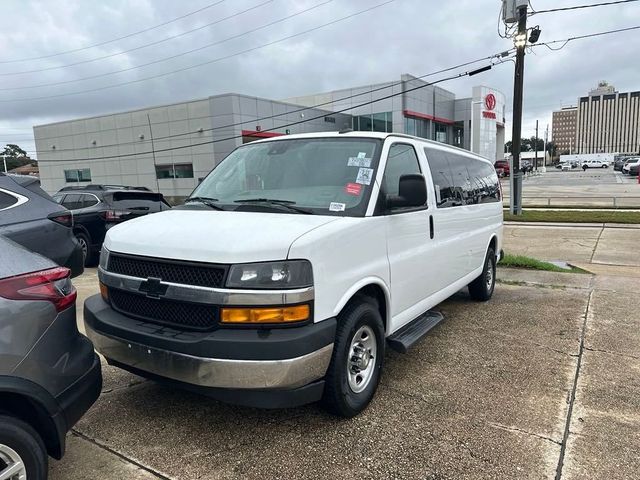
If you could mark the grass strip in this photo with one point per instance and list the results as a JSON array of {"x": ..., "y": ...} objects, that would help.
[{"x": 522, "y": 261}]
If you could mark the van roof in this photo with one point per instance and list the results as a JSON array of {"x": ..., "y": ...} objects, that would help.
[{"x": 362, "y": 134}]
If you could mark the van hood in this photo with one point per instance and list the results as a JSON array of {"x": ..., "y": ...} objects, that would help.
[{"x": 212, "y": 236}]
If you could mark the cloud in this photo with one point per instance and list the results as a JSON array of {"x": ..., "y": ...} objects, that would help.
[{"x": 406, "y": 36}]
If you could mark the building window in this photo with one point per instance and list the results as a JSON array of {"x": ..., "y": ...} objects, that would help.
[
  {"x": 77, "y": 175},
  {"x": 377, "y": 122},
  {"x": 458, "y": 136},
  {"x": 176, "y": 170}
]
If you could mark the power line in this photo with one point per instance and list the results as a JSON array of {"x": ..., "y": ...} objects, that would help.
[
  {"x": 234, "y": 137},
  {"x": 580, "y": 37},
  {"x": 122, "y": 52},
  {"x": 578, "y": 7},
  {"x": 288, "y": 37},
  {"x": 172, "y": 57},
  {"x": 302, "y": 109},
  {"x": 129, "y": 35}
]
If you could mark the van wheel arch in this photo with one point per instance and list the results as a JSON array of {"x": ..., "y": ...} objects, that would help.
[{"x": 375, "y": 294}]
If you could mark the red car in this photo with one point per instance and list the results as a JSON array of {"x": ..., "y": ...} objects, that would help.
[{"x": 504, "y": 165}]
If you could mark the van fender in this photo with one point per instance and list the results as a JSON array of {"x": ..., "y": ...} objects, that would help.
[{"x": 359, "y": 285}]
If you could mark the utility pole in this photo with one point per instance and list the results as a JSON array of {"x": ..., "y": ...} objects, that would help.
[
  {"x": 536, "y": 145},
  {"x": 153, "y": 151},
  {"x": 546, "y": 140},
  {"x": 518, "y": 86},
  {"x": 4, "y": 160}
]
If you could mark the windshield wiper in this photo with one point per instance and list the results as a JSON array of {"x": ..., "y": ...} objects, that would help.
[
  {"x": 288, "y": 204},
  {"x": 208, "y": 201}
]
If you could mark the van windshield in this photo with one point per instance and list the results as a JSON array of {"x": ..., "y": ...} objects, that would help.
[{"x": 328, "y": 176}]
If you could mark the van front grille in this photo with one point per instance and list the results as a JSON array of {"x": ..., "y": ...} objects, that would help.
[
  {"x": 186, "y": 273},
  {"x": 181, "y": 315}
]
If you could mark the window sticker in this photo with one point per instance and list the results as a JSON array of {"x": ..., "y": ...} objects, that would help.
[
  {"x": 353, "y": 189},
  {"x": 362, "y": 155},
  {"x": 359, "y": 161},
  {"x": 364, "y": 176},
  {"x": 336, "y": 207}
]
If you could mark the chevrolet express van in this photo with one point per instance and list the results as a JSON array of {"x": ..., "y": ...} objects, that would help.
[{"x": 293, "y": 265}]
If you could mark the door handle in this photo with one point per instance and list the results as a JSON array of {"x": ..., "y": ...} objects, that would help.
[{"x": 431, "y": 227}]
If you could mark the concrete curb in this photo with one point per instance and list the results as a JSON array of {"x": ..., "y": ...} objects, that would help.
[{"x": 633, "y": 226}]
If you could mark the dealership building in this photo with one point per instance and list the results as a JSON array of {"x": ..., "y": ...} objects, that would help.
[{"x": 170, "y": 148}]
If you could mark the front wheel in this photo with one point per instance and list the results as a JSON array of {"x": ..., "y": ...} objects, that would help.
[
  {"x": 22, "y": 452},
  {"x": 481, "y": 288},
  {"x": 358, "y": 354}
]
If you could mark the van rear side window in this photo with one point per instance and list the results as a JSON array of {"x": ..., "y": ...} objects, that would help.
[{"x": 461, "y": 180}]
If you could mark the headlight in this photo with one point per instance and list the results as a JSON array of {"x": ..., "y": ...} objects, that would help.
[
  {"x": 104, "y": 258},
  {"x": 271, "y": 275}
]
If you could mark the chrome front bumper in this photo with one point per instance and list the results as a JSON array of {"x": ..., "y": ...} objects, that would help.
[{"x": 216, "y": 372}]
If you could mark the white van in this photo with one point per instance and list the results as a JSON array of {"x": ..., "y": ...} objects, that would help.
[{"x": 293, "y": 265}]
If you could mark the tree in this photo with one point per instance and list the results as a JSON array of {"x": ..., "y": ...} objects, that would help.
[
  {"x": 16, "y": 156},
  {"x": 552, "y": 148},
  {"x": 526, "y": 145}
]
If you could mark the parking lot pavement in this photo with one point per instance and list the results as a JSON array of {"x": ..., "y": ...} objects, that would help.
[
  {"x": 487, "y": 394},
  {"x": 593, "y": 244},
  {"x": 595, "y": 187}
]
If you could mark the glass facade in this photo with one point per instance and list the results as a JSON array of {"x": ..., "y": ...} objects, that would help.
[
  {"x": 440, "y": 132},
  {"x": 376, "y": 122},
  {"x": 418, "y": 127}
]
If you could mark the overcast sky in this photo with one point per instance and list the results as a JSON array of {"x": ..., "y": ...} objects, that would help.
[{"x": 404, "y": 36}]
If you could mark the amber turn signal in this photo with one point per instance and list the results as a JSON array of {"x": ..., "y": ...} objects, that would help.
[
  {"x": 104, "y": 292},
  {"x": 288, "y": 314}
]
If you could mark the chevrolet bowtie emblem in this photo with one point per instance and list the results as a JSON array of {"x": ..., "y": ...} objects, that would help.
[{"x": 153, "y": 288}]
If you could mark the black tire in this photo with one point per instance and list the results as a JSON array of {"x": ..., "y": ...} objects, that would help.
[
  {"x": 339, "y": 397},
  {"x": 83, "y": 239},
  {"x": 25, "y": 441},
  {"x": 481, "y": 289}
]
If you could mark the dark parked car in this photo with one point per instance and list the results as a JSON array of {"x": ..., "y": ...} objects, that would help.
[
  {"x": 31, "y": 218},
  {"x": 96, "y": 208},
  {"x": 49, "y": 372},
  {"x": 619, "y": 163},
  {"x": 504, "y": 165}
]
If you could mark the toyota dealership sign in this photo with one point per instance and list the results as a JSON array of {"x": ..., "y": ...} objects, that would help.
[{"x": 489, "y": 105}]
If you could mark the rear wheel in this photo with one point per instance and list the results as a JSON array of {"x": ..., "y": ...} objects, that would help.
[
  {"x": 356, "y": 364},
  {"x": 87, "y": 255},
  {"x": 481, "y": 288},
  {"x": 22, "y": 452}
]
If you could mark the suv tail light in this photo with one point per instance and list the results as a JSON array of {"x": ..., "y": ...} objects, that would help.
[
  {"x": 63, "y": 218},
  {"x": 113, "y": 215},
  {"x": 51, "y": 285}
]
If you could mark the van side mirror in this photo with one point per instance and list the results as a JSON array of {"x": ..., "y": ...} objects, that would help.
[{"x": 412, "y": 192}]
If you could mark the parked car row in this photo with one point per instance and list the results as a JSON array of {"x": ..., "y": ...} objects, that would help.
[
  {"x": 631, "y": 166},
  {"x": 49, "y": 373}
]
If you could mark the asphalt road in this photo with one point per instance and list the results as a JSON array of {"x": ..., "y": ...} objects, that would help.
[{"x": 543, "y": 378}]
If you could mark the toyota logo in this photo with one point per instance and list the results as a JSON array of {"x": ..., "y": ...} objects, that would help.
[{"x": 490, "y": 101}]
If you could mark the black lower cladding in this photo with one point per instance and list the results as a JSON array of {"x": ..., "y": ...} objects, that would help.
[
  {"x": 228, "y": 343},
  {"x": 79, "y": 397},
  {"x": 295, "y": 397},
  {"x": 192, "y": 316}
]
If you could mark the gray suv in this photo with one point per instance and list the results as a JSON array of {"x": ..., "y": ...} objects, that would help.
[
  {"x": 49, "y": 372},
  {"x": 31, "y": 218}
]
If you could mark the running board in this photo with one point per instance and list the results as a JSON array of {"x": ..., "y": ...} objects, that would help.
[{"x": 413, "y": 331}]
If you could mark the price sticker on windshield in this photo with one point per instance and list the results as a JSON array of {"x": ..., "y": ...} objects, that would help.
[
  {"x": 364, "y": 176},
  {"x": 358, "y": 162},
  {"x": 336, "y": 207},
  {"x": 353, "y": 189}
]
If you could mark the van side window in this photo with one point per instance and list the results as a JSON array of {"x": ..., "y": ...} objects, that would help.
[
  {"x": 402, "y": 160},
  {"x": 460, "y": 175},
  {"x": 484, "y": 182},
  {"x": 442, "y": 177}
]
